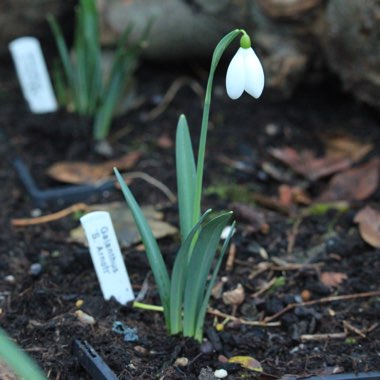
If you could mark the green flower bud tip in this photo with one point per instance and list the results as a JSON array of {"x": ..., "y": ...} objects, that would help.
[{"x": 245, "y": 41}]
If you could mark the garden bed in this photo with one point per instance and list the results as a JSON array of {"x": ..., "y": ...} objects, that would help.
[{"x": 285, "y": 254}]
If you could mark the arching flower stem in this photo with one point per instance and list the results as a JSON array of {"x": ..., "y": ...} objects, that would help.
[{"x": 218, "y": 52}]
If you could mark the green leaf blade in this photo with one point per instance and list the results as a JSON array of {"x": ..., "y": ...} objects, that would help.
[
  {"x": 186, "y": 177},
  {"x": 18, "y": 360},
  {"x": 154, "y": 255},
  {"x": 203, "y": 309},
  {"x": 199, "y": 269},
  {"x": 178, "y": 278}
]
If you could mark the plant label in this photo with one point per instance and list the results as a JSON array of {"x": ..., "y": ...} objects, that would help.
[
  {"x": 106, "y": 256},
  {"x": 33, "y": 75}
]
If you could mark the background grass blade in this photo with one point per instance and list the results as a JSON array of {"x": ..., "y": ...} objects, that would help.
[
  {"x": 186, "y": 177},
  {"x": 178, "y": 278},
  {"x": 64, "y": 55},
  {"x": 199, "y": 269},
  {"x": 155, "y": 259}
]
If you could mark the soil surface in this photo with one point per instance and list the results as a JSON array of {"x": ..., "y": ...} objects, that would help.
[{"x": 282, "y": 249}]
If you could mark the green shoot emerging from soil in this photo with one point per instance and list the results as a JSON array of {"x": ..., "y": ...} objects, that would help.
[
  {"x": 79, "y": 76},
  {"x": 185, "y": 294}
]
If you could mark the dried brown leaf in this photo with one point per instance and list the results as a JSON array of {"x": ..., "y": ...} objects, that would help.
[
  {"x": 369, "y": 225},
  {"x": 353, "y": 184},
  {"x": 332, "y": 279},
  {"x": 234, "y": 297},
  {"x": 307, "y": 164},
  {"x": 347, "y": 146},
  {"x": 290, "y": 195},
  {"x": 165, "y": 142},
  {"x": 85, "y": 173}
]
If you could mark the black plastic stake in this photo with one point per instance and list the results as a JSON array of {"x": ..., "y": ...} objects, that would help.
[
  {"x": 59, "y": 195},
  {"x": 375, "y": 375},
  {"x": 92, "y": 362}
]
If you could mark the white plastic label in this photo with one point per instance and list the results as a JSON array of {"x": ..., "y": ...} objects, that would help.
[
  {"x": 33, "y": 75},
  {"x": 106, "y": 257}
]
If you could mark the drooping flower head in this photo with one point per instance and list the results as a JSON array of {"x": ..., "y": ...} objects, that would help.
[{"x": 245, "y": 72}]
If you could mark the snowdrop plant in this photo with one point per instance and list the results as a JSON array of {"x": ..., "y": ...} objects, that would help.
[{"x": 186, "y": 292}]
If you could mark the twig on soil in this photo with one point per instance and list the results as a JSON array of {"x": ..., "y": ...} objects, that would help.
[
  {"x": 292, "y": 235},
  {"x": 342, "y": 335},
  {"x": 322, "y": 300},
  {"x": 153, "y": 181},
  {"x": 218, "y": 313},
  {"x": 171, "y": 93},
  {"x": 361, "y": 332},
  {"x": 322, "y": 337},
  {"x": 286, "y": 267},
  {"x": 231, "y": 258},
  {"x": 264, "y": 288},
  {"x": 266, "y": 266},
  {"x": 348, "y": 327},
  {"x": 211, "y": 311},
  {"x": 50, "y": 217}
]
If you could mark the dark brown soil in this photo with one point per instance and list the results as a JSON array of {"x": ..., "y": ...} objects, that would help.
[{"x": 38, "y": 310}]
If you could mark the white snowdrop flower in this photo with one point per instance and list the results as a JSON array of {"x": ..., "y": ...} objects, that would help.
[{"x": 245, "y": 72}]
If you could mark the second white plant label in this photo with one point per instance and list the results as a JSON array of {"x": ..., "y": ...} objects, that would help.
[
  {"x": 106, "y": 256},
  {"x": 33, "y": 75}
]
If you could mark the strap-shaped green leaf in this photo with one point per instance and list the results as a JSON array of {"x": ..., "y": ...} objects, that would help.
[
  {"x": 202, "y": 312},
  {"x": 18, "y": 360},
  {"x": 155, "y": 258},
  {"x": 178, "y": 278},
  {"x": 199, "y": 268},
  {"x": 186, "y": 176}
]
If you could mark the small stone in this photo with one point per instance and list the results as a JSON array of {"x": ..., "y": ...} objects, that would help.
[
  {"x": 35, "y": 269},
  {"x": 35, "y": 213},
  {"x": 181, "y": 362},
  {"x": 130, "y": 334},
  {"x": 220, "y": 373},
  {"x": 141, "y": 350},
  {"x": 84, "y": 318},
  {"x": 104, "y": 148},
  {"x": 306, "y": 295},
  {"x": 272, "y": 129},
  {"x": 206, "y": 347},
  {"x": 79, "y": 303},
  {"x": 219, "y": 327},
  {"x": 222, "y": 359},
  {"x": 10, "y": 279}
]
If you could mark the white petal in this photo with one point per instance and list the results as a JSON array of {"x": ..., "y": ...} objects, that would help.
[
  {"x": 235, "y": 78},
  {"x": 254, "y": 74}
]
